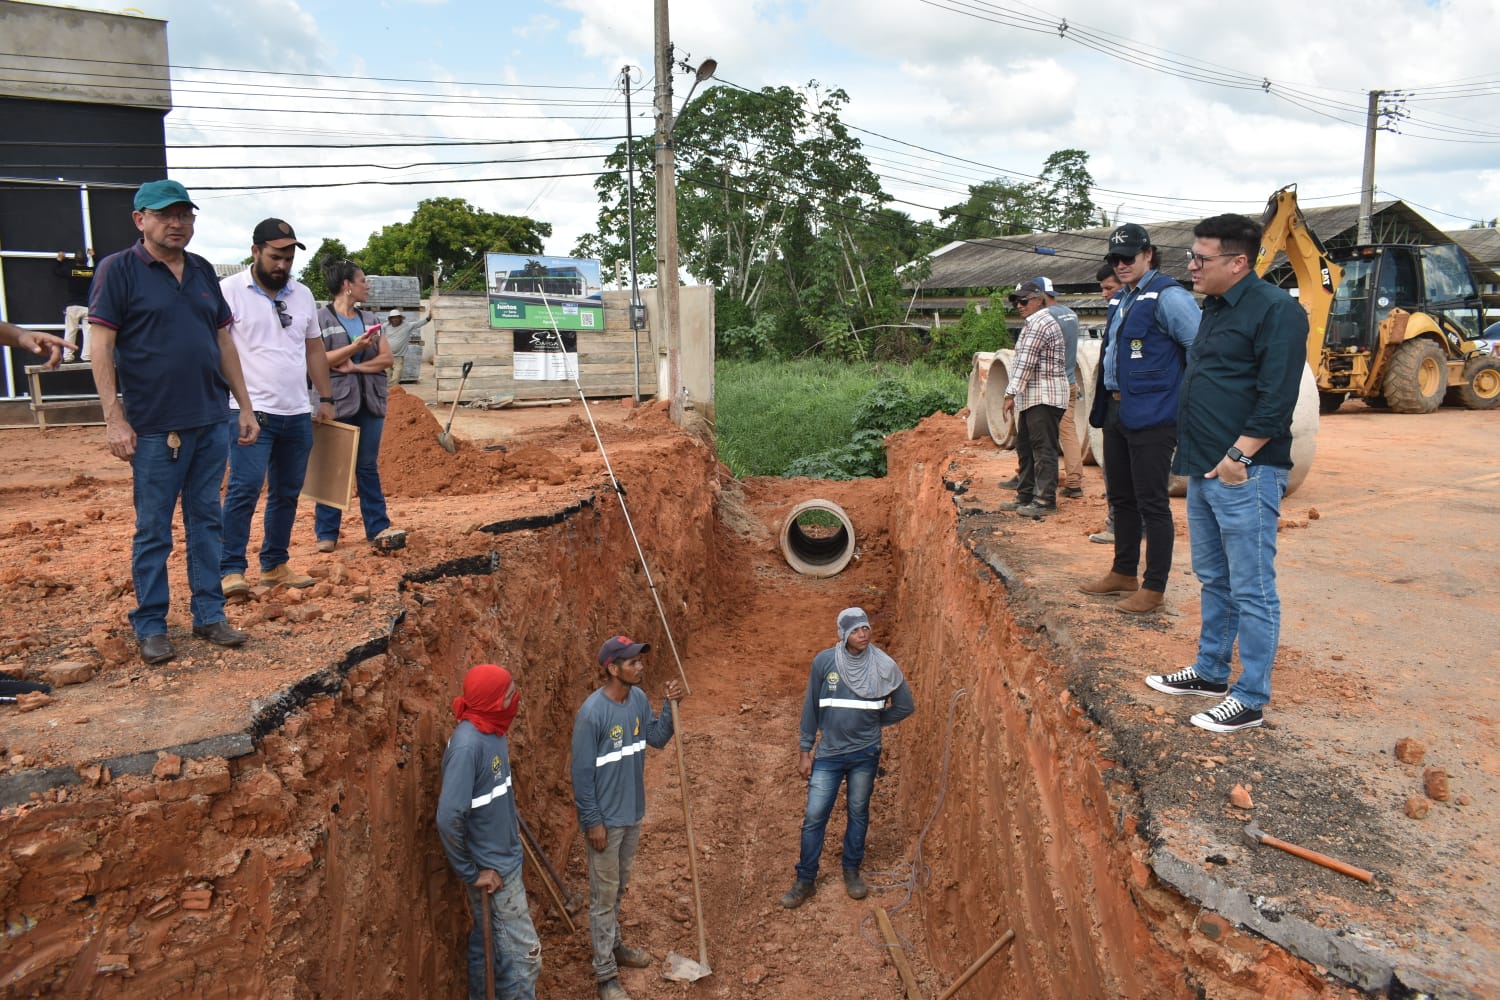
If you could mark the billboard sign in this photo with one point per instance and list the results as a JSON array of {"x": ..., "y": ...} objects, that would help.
[{"x": 533, "y": 292}]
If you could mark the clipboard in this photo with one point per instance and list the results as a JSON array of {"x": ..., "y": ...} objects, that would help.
[{"x": 330, "y": 465}]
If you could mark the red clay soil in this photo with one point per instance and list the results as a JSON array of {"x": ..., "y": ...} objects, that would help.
[{"x": 284, "y": 846}]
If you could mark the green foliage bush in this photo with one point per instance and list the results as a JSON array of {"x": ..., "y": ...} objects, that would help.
[
  {"x": 954, "y": 345},
  {"x": 822, "y": 418}
]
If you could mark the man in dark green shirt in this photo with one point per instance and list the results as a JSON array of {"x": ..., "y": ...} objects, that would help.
[{"x": 1234, "y": 445}]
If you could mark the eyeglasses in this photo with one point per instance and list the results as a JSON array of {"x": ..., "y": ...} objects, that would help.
[
  {"x": 281, "y": 313},
  {"x": 1203, "y": 258},
  {"x": 183, "y": 218}
]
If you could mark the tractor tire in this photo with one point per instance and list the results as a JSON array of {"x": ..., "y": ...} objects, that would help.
[
  {"x": 1329, "y": 402},
  {"x": 1417, "y": 378},
  {"x": 1481, "y": 388}
]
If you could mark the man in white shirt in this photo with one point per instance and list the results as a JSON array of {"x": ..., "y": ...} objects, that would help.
[{"x": 276, "y": 332}]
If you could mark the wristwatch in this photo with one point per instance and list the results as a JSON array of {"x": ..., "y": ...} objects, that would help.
[
  {"x": 325, "y": 399},
  {"x": 1238, "y": 456}
]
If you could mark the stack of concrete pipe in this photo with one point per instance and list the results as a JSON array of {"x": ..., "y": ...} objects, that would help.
[{"x": 988, "y": 379}]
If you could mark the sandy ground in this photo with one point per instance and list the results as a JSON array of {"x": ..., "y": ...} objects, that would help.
[
  {"x": 1388, "y": 606},
  {"x": 1386, "y": 570}
]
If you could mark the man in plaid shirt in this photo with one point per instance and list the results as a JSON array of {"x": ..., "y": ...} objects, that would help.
[{"x": 1037, "y": 395}]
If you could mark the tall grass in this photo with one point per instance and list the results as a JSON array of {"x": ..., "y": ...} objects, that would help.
[{"x": 771, "y": 413}]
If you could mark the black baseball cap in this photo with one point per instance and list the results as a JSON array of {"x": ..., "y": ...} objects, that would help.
[
  {"x": 621, "y": 647},
  {"x": 275, "y": 233},
  {"x": 1128, "y": 241}
]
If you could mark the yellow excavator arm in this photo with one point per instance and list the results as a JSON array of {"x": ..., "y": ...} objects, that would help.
[{"x": 1317, "y": 276}]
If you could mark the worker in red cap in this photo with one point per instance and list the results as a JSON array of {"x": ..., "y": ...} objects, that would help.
[
  {"x": 610, "y": 735},
  {"x": 476, "y": 818}
]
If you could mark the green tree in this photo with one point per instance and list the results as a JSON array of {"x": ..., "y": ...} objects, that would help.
[
  {"x": 312, "y": 271},
  {"x": 451, "y": 234},
  {"x": 1058, "y": 199},
  {"x": 780, "y": 211},
  {"x": 993, "y": 208},
  {"x": 1064, "y": 191}
]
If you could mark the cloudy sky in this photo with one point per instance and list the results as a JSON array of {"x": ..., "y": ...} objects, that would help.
[{"x": 1186, "y": 108}]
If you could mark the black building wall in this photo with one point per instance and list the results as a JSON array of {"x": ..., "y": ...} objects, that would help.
[{"x": 110, "y": 149}]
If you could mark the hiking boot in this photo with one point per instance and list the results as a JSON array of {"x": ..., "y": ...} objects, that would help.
[
  {"x": 1111, "y": 584},
  {"x": 1105, "y": 537},
  {"x": 854, "y": 885},
  {"x": 327, "y": 544},
  {"x": 1142, "y": 602},
  {"x": 156, "y": 648},
  {"x": 1036, "y": 510},
  {"x": 1073, "y": 492},
  {"x": 633, "y": 958},
  {"x": 801, "y": 891},
  {"x": 1014, "y": 482},
  {"x": 612, "y": 990},
  {"x": 284, "y": 576},
  {"x": 1228, "y": 716},
  {"x": 235, "y": 586},
  {"x": 1015, "y": 504},
  {"x": 1187, "y": 681}
]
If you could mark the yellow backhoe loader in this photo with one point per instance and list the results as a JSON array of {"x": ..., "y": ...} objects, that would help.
[{"x": 1397, "y": 325}]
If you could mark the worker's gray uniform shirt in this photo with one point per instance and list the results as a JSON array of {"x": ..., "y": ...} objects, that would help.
[
  {"x": 1068, "y": 320},
  {"x": 476, "y": 814},
  {"x": 609, "y": 757},
  {"x": 848, "y": 721}
]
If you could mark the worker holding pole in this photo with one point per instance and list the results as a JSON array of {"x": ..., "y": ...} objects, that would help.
[
  {"x": 479, "y": 826},
  {"x": 610, "y": 735}
]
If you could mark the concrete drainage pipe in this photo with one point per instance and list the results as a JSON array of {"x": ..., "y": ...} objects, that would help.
[
  {"x": 975, "y": 423},
  {"x": 817, "y": 538},
  {"x": 1002, "y": 425}
]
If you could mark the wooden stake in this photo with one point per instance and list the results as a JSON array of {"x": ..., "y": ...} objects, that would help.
[
  {"x": 972, "y": 970},
  {"x": 541, "y": 874},
  {"x": 692, "y": 847},
  {"x": 898, "y": 955}
]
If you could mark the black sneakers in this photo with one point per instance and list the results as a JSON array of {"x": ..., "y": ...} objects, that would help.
[
  {"x": 1229, "y": 716},
  {"x": 1187, "y": 682}
]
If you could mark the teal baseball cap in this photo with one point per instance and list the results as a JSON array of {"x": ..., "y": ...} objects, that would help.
[{"x": 159, "y": 194}]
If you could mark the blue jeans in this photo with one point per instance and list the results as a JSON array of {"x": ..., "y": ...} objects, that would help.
[
  {"x": 518, "y": 951},
  {"x": 366, "y": 483},
  {"x": 158, "y": 483},
  {"x": 281, "y": 452},
  {"x": 609, "y": 877},
  {"x": 1232, "y": 532},
  {"x": 828, "y": 774}
]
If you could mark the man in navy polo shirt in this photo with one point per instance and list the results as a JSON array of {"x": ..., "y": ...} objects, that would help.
[
  {"x": 159, "y": 327},
  {"x": 275, "y": 329}
]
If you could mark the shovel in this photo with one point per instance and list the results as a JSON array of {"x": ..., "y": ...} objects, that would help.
[{"x": 446, "y": 438}]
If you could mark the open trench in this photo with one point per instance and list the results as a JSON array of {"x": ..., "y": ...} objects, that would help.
[{"x": 309, "y": 866}]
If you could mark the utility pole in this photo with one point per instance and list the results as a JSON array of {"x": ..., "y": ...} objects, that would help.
[
  {"x": 1367, "y": 186},
  {"x": 666, "y": 214},
  {"x": 635, "y": 288}
]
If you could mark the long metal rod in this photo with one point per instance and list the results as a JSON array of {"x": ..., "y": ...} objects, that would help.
[{"x": 687, "y": 811}]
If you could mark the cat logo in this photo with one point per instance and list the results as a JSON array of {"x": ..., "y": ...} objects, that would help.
[
  {"x": 617, "y": 734},
  {"x": 832, "y": 678},
  {"x": 495, "y": 764}
]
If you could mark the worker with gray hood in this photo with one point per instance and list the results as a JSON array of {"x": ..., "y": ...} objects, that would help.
[{"x": 853, "y": 692}]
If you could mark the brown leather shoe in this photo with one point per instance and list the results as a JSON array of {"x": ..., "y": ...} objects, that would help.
[
  {"x": 1111, "y": 584},
  {"x": 1142, "y": 602},
  {"x": 632, "y": 958}
]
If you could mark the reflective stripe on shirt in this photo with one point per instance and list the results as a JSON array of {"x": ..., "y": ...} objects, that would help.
[
  {"x": 498, "y": 793},
  {"x": 639, "y": 746},
  {"x": 869, "y": 706}
]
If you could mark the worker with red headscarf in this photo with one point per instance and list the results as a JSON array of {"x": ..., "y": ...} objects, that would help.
[{"x": 476, "y": 818}]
